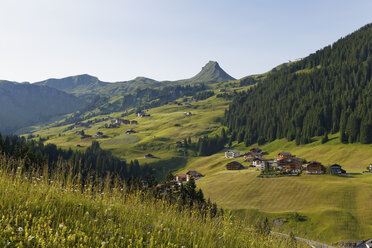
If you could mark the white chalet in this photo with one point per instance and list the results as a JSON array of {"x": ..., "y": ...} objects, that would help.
[{"x": 233, "y": 154}]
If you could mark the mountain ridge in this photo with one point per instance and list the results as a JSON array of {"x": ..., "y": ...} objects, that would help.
[{"x": 88, "y": 85}]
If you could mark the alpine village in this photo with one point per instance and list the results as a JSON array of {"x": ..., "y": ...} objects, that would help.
[{"x": 276, "y": 159}]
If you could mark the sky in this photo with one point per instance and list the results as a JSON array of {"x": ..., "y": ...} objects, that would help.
[{"x": 118, "y": 40}]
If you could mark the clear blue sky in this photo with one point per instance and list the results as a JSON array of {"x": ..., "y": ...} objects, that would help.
[{"x": 165, "y": 39}]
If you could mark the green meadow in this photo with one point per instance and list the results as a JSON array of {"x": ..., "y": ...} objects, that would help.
[
  {"x": 37, "y": 211},
  {"x": 333, "y": 208}
]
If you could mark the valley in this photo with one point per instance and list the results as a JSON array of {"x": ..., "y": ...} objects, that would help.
[
  {"x": 336, "y": 207},
  {"x": 300, "y": 107}
]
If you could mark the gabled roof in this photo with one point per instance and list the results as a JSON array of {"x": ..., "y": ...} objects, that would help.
[
  {"x": 335, "y": 166},
  {"x": 313, "y": 163},
  {"x": 285, "y": 153},
  {"x": 180, "y": 175},
  {"x": 235, "y": 163}
]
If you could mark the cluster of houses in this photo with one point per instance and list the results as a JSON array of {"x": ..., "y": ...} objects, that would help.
[
  {"x": 284, "y": 162},
  {"x": 117, "y": 122},
  {"x": 179, "y": 179},
  {"x": 182, "y": 178},
  {"x": 86, "y": 136}
]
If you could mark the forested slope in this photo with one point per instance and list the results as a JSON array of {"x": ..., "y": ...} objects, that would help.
[
  {"x": 328, "y": 91},
  {"x": 24, "y": 104}
]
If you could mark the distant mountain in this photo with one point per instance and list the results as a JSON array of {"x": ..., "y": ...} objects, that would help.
[
  {"x": 86, "y": 85},
  {"x": 77, "y": 85},
  {"x": 120, "y": 88},
  {"x": 211, "y": 73},
  {"x": 24, "y": 104}
]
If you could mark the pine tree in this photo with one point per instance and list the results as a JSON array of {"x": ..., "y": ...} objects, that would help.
[
  {"x": 261, "y": 141},
  {"x": 325, "y": 138},
  {"x": 223, "y": 135},
  {"x": 366, "y": 132},
  {"x": 343, "y": 137}
]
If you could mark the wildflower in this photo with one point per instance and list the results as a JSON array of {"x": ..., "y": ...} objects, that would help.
[
  {"x": 20, "y": 229},
  {"x": 148, "y": 241},
  {"x": 104, "y": 243},
  {"x": 60, "y": 225},
  {"x": 108, "y": 232},
  {"x": 31, "y": 238}
]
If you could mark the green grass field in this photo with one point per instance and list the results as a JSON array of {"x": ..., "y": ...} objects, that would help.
[
  {"x": 37, "y": 211},
  {"x": 336, "y": 208}
]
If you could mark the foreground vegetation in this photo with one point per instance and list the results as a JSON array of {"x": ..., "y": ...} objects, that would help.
[{"x": 53, "y": 212}]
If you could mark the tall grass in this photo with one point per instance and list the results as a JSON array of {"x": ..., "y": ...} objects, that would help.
[{"x": 37, "y": 211}]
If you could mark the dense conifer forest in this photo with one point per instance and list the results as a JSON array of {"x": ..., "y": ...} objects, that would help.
[{"x": 329, "y": 91}]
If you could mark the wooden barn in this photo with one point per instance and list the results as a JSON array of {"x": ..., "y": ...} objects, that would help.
[
  {"x": 314, "y": 167},
  {"x": 234, "y": 165}
]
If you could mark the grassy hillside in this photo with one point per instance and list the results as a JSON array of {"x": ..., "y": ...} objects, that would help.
[
  {"x": 336, "y": 208},
  {"x": 43, "y": 212},
  {"x": 156, "y": 134}
]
